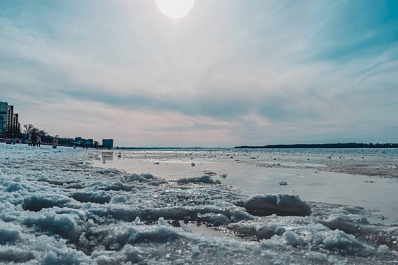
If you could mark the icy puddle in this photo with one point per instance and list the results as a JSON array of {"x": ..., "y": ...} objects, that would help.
[
  {"x": 57, "y": 208},
  {"x": 240, "y": 172}
]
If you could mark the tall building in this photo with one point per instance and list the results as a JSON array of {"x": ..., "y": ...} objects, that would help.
[
  {"x": 16, "y": 128},
  {"x": 3, "y": 118},
  {"x": 10, "y": 123}
]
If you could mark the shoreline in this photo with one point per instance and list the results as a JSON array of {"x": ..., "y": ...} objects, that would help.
[
  {"x": 85, "y": 213},
  {"x": 322, "y": 146}
]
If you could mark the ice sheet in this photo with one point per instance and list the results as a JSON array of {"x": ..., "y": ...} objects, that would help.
[
  {"x": 57, "y": 208},
  {"x": 329, "y": 178}
]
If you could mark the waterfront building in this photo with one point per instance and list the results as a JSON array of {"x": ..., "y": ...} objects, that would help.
[
  {"x": 3, "y": 118},
  {"x": 107, "y": 143},
  {"x": 10, "y": 120},
  {"x": 16, "y": 128},
  {"x": 78, "y": 140},
  {"x": 9, "y": 123}
]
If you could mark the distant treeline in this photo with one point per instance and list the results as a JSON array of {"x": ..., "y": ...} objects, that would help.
[
  {"x": 159, "y": 148},
  {"x": 337, "y": 145}
]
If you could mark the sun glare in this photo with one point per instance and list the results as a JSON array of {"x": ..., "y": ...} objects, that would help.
[{"x": 175, "y": 8}]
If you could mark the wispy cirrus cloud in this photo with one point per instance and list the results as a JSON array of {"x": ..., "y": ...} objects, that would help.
[{"x": 232, "y": 72}]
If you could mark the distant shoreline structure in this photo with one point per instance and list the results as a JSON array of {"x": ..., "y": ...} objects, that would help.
[
  {"x": 159, "y": 148},
  {"x": 335, "y": 145}
]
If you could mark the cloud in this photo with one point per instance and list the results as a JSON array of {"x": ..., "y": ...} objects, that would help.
[
  {"x": 130, "y": 127},
  {"x": 229, "y": 72}
]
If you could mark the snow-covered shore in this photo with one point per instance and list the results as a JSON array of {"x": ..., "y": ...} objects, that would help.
[{"x": 57, "y": 208}]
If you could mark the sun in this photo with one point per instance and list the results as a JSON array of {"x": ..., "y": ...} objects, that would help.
[{"x": 175, "y": 8}]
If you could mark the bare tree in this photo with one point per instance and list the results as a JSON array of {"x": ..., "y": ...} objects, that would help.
[
  {"x": 28, "y": 128},
  {"x": 42, "y": 133}
]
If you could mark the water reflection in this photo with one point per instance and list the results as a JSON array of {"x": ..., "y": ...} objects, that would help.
[
  {"x": 107, "y": 156},
  {"x": 306, "y": 172}
]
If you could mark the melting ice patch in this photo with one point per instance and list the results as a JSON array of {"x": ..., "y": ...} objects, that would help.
[{"x": 57, "y": 209}]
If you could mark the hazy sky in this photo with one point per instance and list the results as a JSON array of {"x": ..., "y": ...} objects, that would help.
[{"x": 232, "y": 72}]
